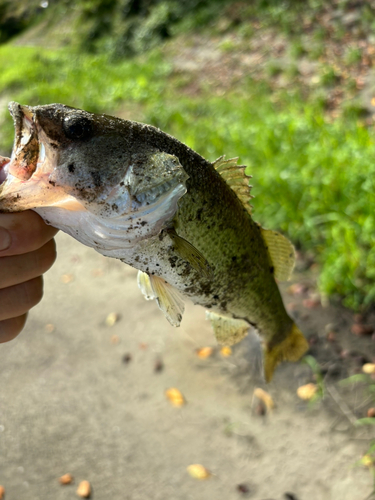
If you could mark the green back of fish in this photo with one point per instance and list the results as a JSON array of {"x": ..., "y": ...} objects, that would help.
[{"x": 215, "y": 221}]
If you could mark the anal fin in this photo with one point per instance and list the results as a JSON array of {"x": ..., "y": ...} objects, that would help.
[{"x": 228, "y": 331}]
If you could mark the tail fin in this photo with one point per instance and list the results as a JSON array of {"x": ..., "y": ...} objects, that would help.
[{"x": 290, "y": 349}]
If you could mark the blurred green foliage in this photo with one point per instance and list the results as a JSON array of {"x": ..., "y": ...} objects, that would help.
[{"x": 313, "y": 177}]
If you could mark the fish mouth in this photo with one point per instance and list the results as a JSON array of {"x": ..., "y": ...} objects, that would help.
[{"x": 24, "y": 177}]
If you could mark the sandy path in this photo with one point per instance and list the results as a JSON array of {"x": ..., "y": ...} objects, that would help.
[{"x": 69, "y": 403}]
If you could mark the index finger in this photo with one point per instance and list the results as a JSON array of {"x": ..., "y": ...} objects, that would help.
[{"x": 23, "y": 232}]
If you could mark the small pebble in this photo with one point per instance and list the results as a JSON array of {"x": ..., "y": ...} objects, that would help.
[
  {"x": 198, "y": 471},
  {"x": 290, "y": 496},
  {"x": 112, "y": 319},
  {"x": 331, "y": 336},
  {"x": 49, "y": 328},
  {"x": 66, "y": 479},
  {"x": 127, "y": 358},
  {"x": 360, "y": 330},
  {"x": 67, "y": 278},
  {"x": 159, "y": 366},
  {"x": 311, "y": 303},
  {"x": 371, "y": 412},
  {"x": 243, "y": 488},
  {"x": 2, "y": 492},
  {"x": 84, "y": 489}
]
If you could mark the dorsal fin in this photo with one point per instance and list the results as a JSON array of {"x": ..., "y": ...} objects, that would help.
[
  {"x": 236, "y": 178},
  {"x": 281, "y": 252}
]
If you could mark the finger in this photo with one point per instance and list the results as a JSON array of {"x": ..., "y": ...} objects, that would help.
[
  {"x": 10, "y": 328},
  {"x": 18, "y": 299},
  {"x": 23, "y": 232},
  {"x": 20, "y": 268}
]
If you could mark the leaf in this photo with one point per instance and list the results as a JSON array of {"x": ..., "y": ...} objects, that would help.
[
  {"x": 226, "y": 351},
  {"x": 112, "y": 319},
  {"x": 265, "y": 397},
  {"x": 368, "y": 368},
  {"x": 197, "y": 471},
  {"x": 204, "y": 352},
  {"x": 307, "y": 392},
  {"x": 358, "y": 377},
  {"x": 365, "y": 421},
  {"x": 175, "y": 397}
]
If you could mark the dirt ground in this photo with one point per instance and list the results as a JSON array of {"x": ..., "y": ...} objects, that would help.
[{"x": 89, "y": 399}]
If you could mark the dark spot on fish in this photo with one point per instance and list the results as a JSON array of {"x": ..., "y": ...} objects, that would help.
[
  {"x": 114, "y": 206},
  {"x": 136, "y": 258},
  {"x": 53, "y": 145},
  {"x": 234, "y": 259},
  {"x": 223, "y": 305},
  {"x": 216, "y": 297},
  {"x": 199, "y": 213},
  {"x": 47, "y": 221},
  {"x": 179, "y": 317},
  {"x": 272, "y": 269},
  {"x": 122, "y": 183},
  {"x": 143, "y": 223},
  {"x": 96, "y": 243},
  {"x": 71, "y": 168},
  {"x": 53, "y": 183},
  {"x": 172, "y": 261},
  {"x": 96, "y": 178}
]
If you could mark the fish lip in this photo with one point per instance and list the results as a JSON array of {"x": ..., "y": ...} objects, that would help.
[
  {"x": 25, "y": 153},
  {"x": 4, "y": 161},
  {"x": 21, "y": 115}
]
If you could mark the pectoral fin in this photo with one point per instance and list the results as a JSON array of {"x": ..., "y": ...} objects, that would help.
[
  {"x": 189, "y": 253},
  {"x": 144, "y": 284},
  {"x": 228, "y": 331},
  {"x": 281, "y": 252},
  {"x": 167, "y": 297}
]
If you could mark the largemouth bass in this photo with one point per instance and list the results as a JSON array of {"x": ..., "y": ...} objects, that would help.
[{"x": 132, "y": 192}]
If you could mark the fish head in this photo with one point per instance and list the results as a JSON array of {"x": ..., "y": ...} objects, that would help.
[{"x": 89, "y": 173}]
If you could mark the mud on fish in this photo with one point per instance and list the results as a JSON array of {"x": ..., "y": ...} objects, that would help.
[{"x": 135, "y": 193}]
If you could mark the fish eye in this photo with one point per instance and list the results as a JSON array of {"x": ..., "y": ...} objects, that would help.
[{"x": 77, "y": 127}]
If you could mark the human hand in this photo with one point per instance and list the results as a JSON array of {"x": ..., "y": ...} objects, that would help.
[{"x": 27, "y": 250}]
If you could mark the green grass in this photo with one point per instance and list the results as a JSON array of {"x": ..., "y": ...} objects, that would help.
[{"x": 312, "y": 179}]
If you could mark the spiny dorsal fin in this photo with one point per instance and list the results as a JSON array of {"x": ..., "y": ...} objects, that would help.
[
  {"x": 281, "y": 252},
  {"x": 236, "y": 178},
  {"x": 189, "y": 253},
  {"x": 167, "y": 297},
  {"x": 228, "y": 331}
]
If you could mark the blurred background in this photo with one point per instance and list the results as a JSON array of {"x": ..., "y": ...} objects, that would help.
[{"x": 289, "y": 87}]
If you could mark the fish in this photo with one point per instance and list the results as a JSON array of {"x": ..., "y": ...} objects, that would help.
[{"x": 135, "y": 193}]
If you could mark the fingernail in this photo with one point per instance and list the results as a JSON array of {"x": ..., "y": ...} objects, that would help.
[{"x": 5, "y": 239}]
